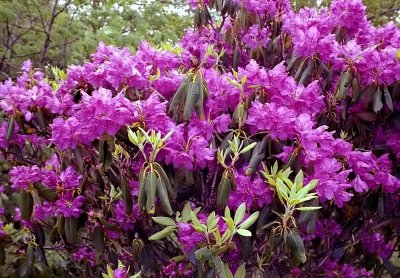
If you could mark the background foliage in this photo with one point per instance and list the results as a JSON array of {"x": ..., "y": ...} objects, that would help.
[{"x": 66, "y": 32}]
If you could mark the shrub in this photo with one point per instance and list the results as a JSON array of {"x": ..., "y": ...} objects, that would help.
[{"x": 264, "y": 144}]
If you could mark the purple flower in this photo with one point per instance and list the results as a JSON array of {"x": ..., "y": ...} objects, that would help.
[
  {"x": 22, "y": 177},
  {"x": 69, "y": 206},
  {"x": 375, "y": 244},
  {"x": 84, "y": 254},
  {"x": 188, "y": 237},
  {"x": 187, "y": 149},
  {"x": 252, "y": 192},
  {"x": 256, "y": 37}
]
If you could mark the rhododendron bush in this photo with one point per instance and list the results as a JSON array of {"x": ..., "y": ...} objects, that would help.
[{"x": 264, "y": 144}]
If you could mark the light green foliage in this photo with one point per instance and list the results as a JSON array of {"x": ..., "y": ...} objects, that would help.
[
  {"x": 217, "y": 242},
  {"x": 292, "y": 195}
]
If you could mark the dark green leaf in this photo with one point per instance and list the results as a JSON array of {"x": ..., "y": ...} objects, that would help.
[
  {"x": 344, "y": 84},
  {"x": 46, "y": 192},
  {"x": 10, "y": 128},
  {"x": 193, "y": 96},
  {"x": 98, "y": 242},
  {"x": 151, "y": 189},
  {"x": 126, "y": 193},
  {"x": 258, "y": 154},
  {"x": 296, "y": 245},
  {"x": 26, "y": 204},
  {"x": 71, "y": 229},
  {"x": 163, "y": 195},
  {"x": 388, "y": 99},
  {"x": 30, "y": 257},
  {"x": 106, "y": 149},
  {"x": 224, "y": 189},
  {"x": 204, "y": 253},
  {"x": 377, "y": 101}
]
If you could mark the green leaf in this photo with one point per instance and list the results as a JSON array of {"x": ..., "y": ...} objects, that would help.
[
  {"x": 249, "y": 221},
  {"x": 186, "y": 212},
  {"x": 26, "y": 204},
  {"x": 126, "y": 193},
  {"x": 244, "y": 232},
  {"x": 166, "y": 221},
  {"x": 163, "y": 195},
  {"x": 388, "y": 99},
  {"x": 344, "y": 85},
  {"x": 308, "y": 208},
  {"x": 142, "y": 197},
  {"x": 377, "y": 101},
  {"x": 203, "y": 253},
  {"x": 163, "y": 233},
  {"x": 195, "y": 221},
  {"x": 151, "y": 189},
  {"x": 10, "y": 128},
  {"x": 304, "y": 191},
  {"x": 71, "y": 229},
  {"x": 191, "y": 100},
  {"x": 46, "y": 192},
  {"x": 248, "y": 148},
  {"x": 241, "y": 271},
  {"x": 224, "y": 189},
  {"x": 298, "y": 180},
  {"x": 241, "y": 210},
  {"x": 98, "y": 242},
  {"x": 296, "y": 245}
]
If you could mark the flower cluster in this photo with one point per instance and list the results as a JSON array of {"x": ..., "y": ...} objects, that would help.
[{"x": 289, "y": 116}]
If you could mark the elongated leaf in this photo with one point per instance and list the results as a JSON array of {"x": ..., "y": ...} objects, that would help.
[
  {"x": 38, "y": 231},
  {"x": 296, "y": 245},
  {"x": 71, "y": 229},
  {"x": 163, "y": 195},
  {"x": 163, "y": 233},
  {"x": 26, "y": 204},
  {"x": 244, "y": 232},
  {"x": 388, "y": 99},
  {"x": 126, "y": 194},
  {"x": 60, "y": 225},
  {"x": 199, "y": 106},
  {"x": 258, "y": 154},
  {"x": 248, "y": 148},
  {"x": 46, "y": 192},
  {"x": 236, "y": 58},
  {"x": 10, "y": 128},
  {"x": 137, "y": 247},
  {"x": 2, "y": 253},
  {"x": 344, "y": 85},
  {"x": 377, "y": 101},
  {"x": 241, "y": 210},
  {"x": 249, "y": 221},
  {"x": 308, "y": 208},
  {"x": 151, "y": 189},
  {"x": 106, "y": 149},
  {"x": 142, "y": 197},
  {"x": 241, "y": 271},
  {"x": 164, "y": 178},
  {"x": 166, "y": 221},
  {"x": 203, "y": 253},
  {"x": 98, "y": 242},
  {"x": 224, "y": 189},
  {"x": 193, "y": 96},
  {"x": 307, "y": 73},
  {"x": 30, "y": 257},
  {"x": 300, "y": 69}
]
